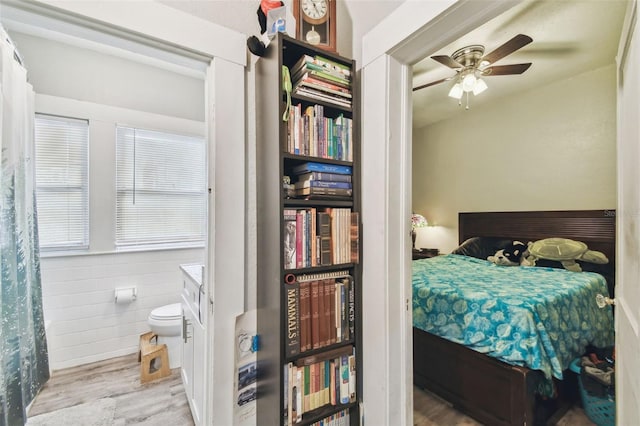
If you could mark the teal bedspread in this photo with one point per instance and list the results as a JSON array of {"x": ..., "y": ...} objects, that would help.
[{"x": 540, "y": 318}]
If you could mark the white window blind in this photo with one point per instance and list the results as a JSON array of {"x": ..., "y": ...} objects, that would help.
[
  {"x": 161, "y": 188},
  {"x": 62, "y": 146}
]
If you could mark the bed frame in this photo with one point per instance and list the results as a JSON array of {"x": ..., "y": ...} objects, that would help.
[{"x": 493, "y": 392}]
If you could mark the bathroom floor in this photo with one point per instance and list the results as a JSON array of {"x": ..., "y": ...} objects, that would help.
[{"x": 159, "y": 402}]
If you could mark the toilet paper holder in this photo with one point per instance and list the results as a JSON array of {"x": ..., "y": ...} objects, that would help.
[{"x": 125, "y": 295}]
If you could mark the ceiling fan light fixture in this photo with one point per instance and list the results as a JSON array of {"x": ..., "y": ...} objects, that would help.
[
  {"x": 456, "y": 91},
  {"x": 468, "y": 82},
  {"x": 480, "y": 87}
]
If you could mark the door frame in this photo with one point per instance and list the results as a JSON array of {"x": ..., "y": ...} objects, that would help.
[
  {"x": 141, "y": 27},
  {"x": 627, "y": 325},
  {"x": 389, "y": 50}
]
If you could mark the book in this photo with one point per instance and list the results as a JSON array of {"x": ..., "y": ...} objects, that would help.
[
  {"x": 297, "y": 394},
  {"x": 322, "y": 96},
  {"x": 314, "y": 83},
  {"x": 305, "y": 316},
  {"x": 322, "y": 324},
  {"x": 343, "y": 324},
  {"x": 352, "y": 378},
  {"x": 351, "y": 308},
  {"x": 315, "y": 315},
  {"x": 292, "y": 336},
  {"x": 321, "y": 63},
  {"x": 289, "y": 238},
  {"x": 324, "y": 231},
  {"x": 330, "y": 299},
  {"x": 299, "y": 229},
  {"x": 311, "y": 166},
  {"x": 345, "y": 192},
  {"x": 320, "y": 74},
  {"x": 325, "y": 177},
  {"x": 321, "y": 184},
  {"x": 344, "y": 379},
  {"x": 354, "y": 237}
]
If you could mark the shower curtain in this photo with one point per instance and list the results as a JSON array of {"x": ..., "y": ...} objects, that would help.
[{"x": 24, "y": 365}]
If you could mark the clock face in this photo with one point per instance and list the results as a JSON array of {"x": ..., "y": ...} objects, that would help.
[{"x": 315, "y": 9}]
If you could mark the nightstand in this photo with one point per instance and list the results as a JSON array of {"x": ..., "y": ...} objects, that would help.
[{"x": 423, "y": 253}]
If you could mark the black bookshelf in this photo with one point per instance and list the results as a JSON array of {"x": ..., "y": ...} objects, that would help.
[{"x": 273, "y": 162}]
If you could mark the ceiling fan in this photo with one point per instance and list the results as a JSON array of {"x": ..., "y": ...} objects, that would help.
[{"x": 470, "y": 65}]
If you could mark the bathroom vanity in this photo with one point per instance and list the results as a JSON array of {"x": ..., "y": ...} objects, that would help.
[{"x": 194, "y": 313}]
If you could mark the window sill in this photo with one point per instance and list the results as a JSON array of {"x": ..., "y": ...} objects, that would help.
[{"x": 120, "y": 250}]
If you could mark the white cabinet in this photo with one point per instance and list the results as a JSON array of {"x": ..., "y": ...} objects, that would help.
[{"x": 193, "y": 335}]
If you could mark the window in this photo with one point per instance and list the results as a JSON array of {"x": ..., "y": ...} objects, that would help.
[
  {"x": 161, "y": 188},
  {"x": 62, "y": 146}
]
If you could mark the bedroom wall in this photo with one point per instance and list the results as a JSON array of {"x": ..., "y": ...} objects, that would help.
[{"x": 553, "y": 148}]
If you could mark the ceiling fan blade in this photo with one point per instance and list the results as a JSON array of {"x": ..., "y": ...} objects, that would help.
[
  {"x": 508, "y": 48},
  {"x": 447, "y": 61},
  {"x": 506, "y": 69},
  {"x": 433, "y": 83}
]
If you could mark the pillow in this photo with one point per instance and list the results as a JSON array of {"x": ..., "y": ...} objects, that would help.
[{"x": 482, "y": 247}]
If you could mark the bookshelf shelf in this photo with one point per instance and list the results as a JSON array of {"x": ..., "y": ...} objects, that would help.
[{"x": 309, "y": 276}]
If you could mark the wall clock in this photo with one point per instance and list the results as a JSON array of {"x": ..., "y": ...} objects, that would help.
[{"x": 316, "y": 22}]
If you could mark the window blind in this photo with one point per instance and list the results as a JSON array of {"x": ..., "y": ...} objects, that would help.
[
  {"x": 161, "y": 188},
  {"x": 62, "y": 148}
]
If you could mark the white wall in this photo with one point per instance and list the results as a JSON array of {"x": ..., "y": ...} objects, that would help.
[
  {"x": 552, "y": 148},
  {"x": 78, "y": 290}
]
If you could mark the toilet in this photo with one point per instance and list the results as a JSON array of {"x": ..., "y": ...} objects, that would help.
[{"x": 166, "y": 322}]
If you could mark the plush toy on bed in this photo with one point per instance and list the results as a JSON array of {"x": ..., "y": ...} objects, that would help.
[{"x": 512, "y": 255}]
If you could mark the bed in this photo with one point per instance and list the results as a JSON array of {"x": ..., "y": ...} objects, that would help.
[{"x": 501, "y": 381}]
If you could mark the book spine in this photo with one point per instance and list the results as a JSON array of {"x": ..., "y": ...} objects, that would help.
[
  {"x": 355, "y": 237},
  {"x": 305, "y": 316},
  {"x": 322, "y": 326},
  {"x": 293, "y": 320},
  {"x": 298, "y": 239},
  {"x": 322, "y": 167},
  {"x": 352, "y": 378},
  {"x": 322, "y": 184},
  {"x": 289, "y": 239},
  {"x": 344, "y": 315},
  {"x": 351, "y": 315},
  {"x": 344, "y": 379},
  {"x": 324, "y": 231},
  {"x": 315, "y": 315},
  {"x": 325, "y": 191},
  {"x": 331, "y": 317},
  {"x": 298, "y": 394}
]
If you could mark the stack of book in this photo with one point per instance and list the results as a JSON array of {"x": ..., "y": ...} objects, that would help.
[
  {"x": 320, "y": 312},
  {"x": 312, "y": 134},
  {"x": 320, "y": 237},
  {"x": 316, "y": 381},
  {"x": 320, "y": 179},
  {"x": 322, "y": 79}
]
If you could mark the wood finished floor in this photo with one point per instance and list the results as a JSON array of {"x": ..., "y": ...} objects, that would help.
[
  {"x": 163, "y": 402},
  {"x": 429, "y": 410}
]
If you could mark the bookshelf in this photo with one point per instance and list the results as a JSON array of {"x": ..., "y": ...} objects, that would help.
[{"x": 309, "y": 222}]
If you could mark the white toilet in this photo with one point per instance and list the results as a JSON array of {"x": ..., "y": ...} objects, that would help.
[{"x": 166, "y": 322}]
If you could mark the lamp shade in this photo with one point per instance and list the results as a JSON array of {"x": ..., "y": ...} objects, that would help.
[
  {"x": 418, "y": 221},
  {"x": 480, "y": 87},
  {"x": 456, "y": 91}
]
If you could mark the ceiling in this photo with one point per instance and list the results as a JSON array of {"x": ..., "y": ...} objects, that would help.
[{"x": 569, "y": 37}]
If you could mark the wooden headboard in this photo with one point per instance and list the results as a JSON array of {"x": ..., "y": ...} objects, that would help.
[{"x": 596, "y": 228}]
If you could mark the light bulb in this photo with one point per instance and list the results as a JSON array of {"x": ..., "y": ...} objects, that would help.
[
  {"x": 480, "y": 87},
  {"x": 468, "y": 82},
  {"x": 456, "y": 91}
]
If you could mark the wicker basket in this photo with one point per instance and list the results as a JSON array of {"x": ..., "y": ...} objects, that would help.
[{"x": 601, "y": 411}]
